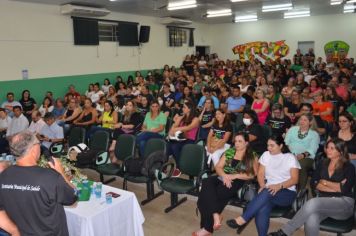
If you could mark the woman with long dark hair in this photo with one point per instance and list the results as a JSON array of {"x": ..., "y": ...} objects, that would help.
[
  {"x": 188, "y": 125},
  {"x": 219, "y": 137},
  {"x": 28, "y": 104},
  {"x": 131, "y": 123},
  {"x": 346, "y": 132},
  {"x": 333, "y": 180},
  {"x": 153, "y": 126},
  {"x": 236, "y": 166},
  {"x": 206, "y": 118},
  {"x": 277, "y": 177},
  {"x": 47, "y": 106}
]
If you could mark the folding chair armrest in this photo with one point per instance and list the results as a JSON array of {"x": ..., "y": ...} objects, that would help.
[
  {"x": 300, "y": 200},
  {"x": 200, "y": 177},
  {"x": 59, "y": 145},
  {"x": 102, "y": 158},
  {"x": 164, "y": 167}
]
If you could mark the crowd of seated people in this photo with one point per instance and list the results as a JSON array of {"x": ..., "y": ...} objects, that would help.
[{"x": 303, "y": 105}]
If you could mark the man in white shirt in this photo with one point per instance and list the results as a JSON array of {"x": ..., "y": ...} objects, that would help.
[
  {"x": 18, "y": 123},
  {"x": 37, "y": 123},
  {"x": 5, "y": 121},
  {"x": 50, "y": 133},
  {"x": 10, "y": 104}
]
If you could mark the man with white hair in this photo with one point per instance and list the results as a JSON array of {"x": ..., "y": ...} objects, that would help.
[{"x": 32, "y": 196}]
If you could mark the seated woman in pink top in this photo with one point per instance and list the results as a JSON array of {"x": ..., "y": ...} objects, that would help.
[
  {"x": 187, "y": 124},
  {"x": 261, "y": 106}
]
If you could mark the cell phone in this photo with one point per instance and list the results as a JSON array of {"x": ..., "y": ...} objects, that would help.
[
  {"x": 114, "y": 195},
  {"x": 49, "y": 158}
]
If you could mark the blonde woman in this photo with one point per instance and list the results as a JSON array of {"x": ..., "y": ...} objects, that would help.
[{"x": 303, "y": 141}]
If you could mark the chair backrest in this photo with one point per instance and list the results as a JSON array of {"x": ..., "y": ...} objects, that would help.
[
  {"x": 191, "y": 160},
  {"x": 76, "y": 136},
  {"x": 125, "y": 146},
  {"x": 99, "y": 141},
  {"x": 153, "y": 145}
]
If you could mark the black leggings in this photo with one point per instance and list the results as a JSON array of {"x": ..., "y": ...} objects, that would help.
[{"x": 213, "y": 198}]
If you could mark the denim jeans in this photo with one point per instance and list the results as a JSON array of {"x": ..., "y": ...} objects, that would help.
[
  {"x": 261, "y": 206},
  {"x": 142, "y": 138},
  {"x": 3, "y": 233}
]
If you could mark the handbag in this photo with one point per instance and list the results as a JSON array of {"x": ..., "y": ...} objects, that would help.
[{"x": 249, "y": 191}]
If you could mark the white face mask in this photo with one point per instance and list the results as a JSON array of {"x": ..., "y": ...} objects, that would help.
[{"x": 247, "y": 122}]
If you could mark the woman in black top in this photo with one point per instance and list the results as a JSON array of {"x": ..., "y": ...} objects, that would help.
[
  {"x": 333, "y": 180},
  {"x": 28, "y": 104},
  {"x": 251, "y": 127},
  {"x": 88, "y": 116},
  {"x": 206, "y": 118},
  {"x": 346, "y": 132},
  {"x": 130, "y": 123},
  {"x": 292, "y": 108},
  {"x": 278, "y": 122},
  {"x": 236, "y": 166}
]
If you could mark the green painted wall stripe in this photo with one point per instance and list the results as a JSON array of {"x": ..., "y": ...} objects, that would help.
[{"x": 58, "y": 85}]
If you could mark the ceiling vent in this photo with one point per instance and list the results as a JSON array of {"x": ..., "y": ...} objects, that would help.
[
  {"x": 174, "y": 21},
  {"x": 75, "y": 10}
]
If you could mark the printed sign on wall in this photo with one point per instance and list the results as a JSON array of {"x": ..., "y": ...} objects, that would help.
[
  {"x": 262, "y": 50},
  {"x": 336, "y": 50}
]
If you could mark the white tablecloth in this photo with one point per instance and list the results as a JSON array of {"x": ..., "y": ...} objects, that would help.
[{"x": 123, "y": 217}]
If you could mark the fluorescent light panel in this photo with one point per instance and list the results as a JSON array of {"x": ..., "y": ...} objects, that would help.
[
  {"x": 181, "y": 3},
  {"x": 335, "y": 2},
  {"x": 218, "y": 13},
  {"x": 296, "y": 14},
  {"x": 246, "y": 18},
  {"x": 177, "y": 5},
  {"x": 277, "y": 7},
  {"x": 238, "y": 0},
  {"x": 351, "y": 1},
  {"x": 349, "y": 8},
  {"x": 181, "y": 7}
]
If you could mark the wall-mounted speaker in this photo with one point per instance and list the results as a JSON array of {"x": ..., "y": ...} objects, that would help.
[{"x": 144, "y": 33}]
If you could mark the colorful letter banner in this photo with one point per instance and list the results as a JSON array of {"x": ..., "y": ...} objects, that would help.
[{"x": 262, "y": 50}]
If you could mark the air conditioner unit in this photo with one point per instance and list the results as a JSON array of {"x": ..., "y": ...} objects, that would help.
[
  {"x": 75, "y": 10},
  {"x": 174, "y": 21}
]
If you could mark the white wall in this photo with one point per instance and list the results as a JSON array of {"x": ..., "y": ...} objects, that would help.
[
  {"x": 320, "y": 29},
  {"x": 38, "y": 38}
]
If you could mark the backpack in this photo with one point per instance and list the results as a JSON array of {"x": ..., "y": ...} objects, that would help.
[
  {"x": 146, "y": 166},
  {"x": 84, "y": 156}
]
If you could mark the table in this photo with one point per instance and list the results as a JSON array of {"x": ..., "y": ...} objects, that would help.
[{"x": 123, "y": 217}]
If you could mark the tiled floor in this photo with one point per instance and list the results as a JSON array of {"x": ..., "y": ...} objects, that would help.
[{"x": 182, "y": 221}]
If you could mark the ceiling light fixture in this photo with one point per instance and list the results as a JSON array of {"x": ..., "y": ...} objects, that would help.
[
  {"x": 335, "y": 2},
  {"x": 238, "y": 0},
  {"x": 349, "y": 8},
  {"x": 181, "y": 5},
  {"x": 351, "y": 1},
  {"x": 278, "y": 7},
  {"x": 296, "y": 14},
  {"x": 217, "y": 13},
  {"x": 246, "y": 18}
]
